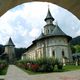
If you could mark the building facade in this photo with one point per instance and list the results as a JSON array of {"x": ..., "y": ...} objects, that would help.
[{"x": 53, "y": 42}]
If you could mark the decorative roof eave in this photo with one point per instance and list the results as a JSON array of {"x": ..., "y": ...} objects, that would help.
[
  {"x": 49, "y": 25},
  {"x": 48, "y": 36},
  {"x": 30, "y": 46}
]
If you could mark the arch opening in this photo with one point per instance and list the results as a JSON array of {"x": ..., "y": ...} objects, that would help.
[
  {"x": 24, "y": 19},
  {"x": 72, "y": 6}
]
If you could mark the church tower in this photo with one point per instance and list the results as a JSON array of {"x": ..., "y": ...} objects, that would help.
[
  {"x": 10, "y": 51},
  {"x": 49, "y": 27}
]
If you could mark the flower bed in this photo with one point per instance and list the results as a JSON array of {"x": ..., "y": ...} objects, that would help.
[
  {"x": 3, "y": 67},
  {"x": 40, "y": 65}
]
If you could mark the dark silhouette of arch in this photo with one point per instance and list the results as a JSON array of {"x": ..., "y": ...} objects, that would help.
[{"x": 71, "y": 5}]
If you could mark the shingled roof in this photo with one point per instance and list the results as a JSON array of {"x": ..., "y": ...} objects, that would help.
[
  {"x": 10, "y": 43},
  {"x": 58, "y": 31},
  {"x": 41, "y": 36},
  {"x": 49, "y": 16}
]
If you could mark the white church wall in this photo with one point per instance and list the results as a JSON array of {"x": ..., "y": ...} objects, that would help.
[
  {"x": 56, "y": 44},
  {"x": 50, "y": 44}
]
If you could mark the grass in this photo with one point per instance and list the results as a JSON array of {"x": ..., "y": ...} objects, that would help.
[
  {"x": 71, "y": 67},
  {"x": 65, "y": 69},
  {"x": 4, "y": 71}
]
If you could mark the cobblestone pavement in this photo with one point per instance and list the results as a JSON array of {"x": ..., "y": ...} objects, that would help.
[{"x": 14, "y": 73}]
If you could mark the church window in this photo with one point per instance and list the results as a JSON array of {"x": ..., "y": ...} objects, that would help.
[
  {"x": 63, "y": 54},
  {"x": 51, "y": 30},
  {"x": 48, "y": 31},
  {"x": 53, "y": 53}
]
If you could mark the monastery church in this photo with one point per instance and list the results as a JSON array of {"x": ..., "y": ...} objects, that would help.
[{"x": 52, "y": 42}]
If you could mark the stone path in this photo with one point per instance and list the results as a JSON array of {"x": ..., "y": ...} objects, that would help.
[
  {"x": 2, "y": 77},
  {"x": 14, "y": 73}
]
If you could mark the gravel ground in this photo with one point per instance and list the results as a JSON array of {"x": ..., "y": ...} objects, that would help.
[{"x": 15, "y": 73}]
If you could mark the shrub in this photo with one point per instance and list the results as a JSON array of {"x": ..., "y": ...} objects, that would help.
[
  {"x": 40, "y": 65},
  {"x": 46, "y": 64},
  {"x": 60, "y": 65},
  {"x": 3, "y": 64},
  {"x": 46, "y": 68},
  {"x": 34, "y": 67}
]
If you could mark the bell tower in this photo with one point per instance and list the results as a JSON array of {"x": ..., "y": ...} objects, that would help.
[
  {"x": 10, "y": 51},
  {"x": 49, "y": 27}
]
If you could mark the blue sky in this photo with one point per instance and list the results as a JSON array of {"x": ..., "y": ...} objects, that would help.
[{"x": 25, "y": 22}]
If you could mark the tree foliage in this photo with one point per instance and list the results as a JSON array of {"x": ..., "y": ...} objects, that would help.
[
  {"x": 73, "y": 49},
  {"x": 77, "y": 48},
  {"x": 1, "y": 49},
  {"x": 19, "y": 52}
]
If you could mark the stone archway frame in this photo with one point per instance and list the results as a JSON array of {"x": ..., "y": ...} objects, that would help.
[{"x": 71, "y": 5}]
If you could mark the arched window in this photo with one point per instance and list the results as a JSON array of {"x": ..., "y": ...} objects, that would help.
[
  {"x": 53, "y": 53},
  {"x": 51, "y": 30},
  {"x": 63, "y": 53},
  {"x": 48, "y": 31}
]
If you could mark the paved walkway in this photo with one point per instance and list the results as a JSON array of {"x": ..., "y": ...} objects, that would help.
[
  {"x": 2, "y": 77},
  {"x": 14, "y": 73}
]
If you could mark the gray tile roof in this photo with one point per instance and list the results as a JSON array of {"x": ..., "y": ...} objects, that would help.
[
  {"x": 58, "y": 31},
  {"x": 41, "y": 36},
  {"x": 49, "y": 16},
  {"x": 10, "y": 43}
]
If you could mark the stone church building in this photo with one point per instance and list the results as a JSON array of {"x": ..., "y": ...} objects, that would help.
[{"x": 52, "y": 42}]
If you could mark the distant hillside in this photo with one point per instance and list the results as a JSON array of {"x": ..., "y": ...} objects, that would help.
[
  {"x": 75, "y": 41},
  {"x": 19, "y": 52}
]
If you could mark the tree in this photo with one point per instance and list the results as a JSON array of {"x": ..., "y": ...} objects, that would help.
[
  {"x": 73, "y": 49},
  {"x": 1, "y": 49},
  {"x": 77, "y": 48},
  {"x": 19, "y": 52}
]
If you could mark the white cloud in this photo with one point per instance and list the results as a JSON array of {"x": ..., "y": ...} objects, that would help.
[
  {"x": 77, "y": 33},
  {"x": 24, "y": 23},
  {"x": 34, "y": 32}
]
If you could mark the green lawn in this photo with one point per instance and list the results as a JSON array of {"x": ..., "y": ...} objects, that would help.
[
  {"x": 71, "y": 68},
  {"x": 65, "y": 69},
  {"x": 4, "y": 71}
]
